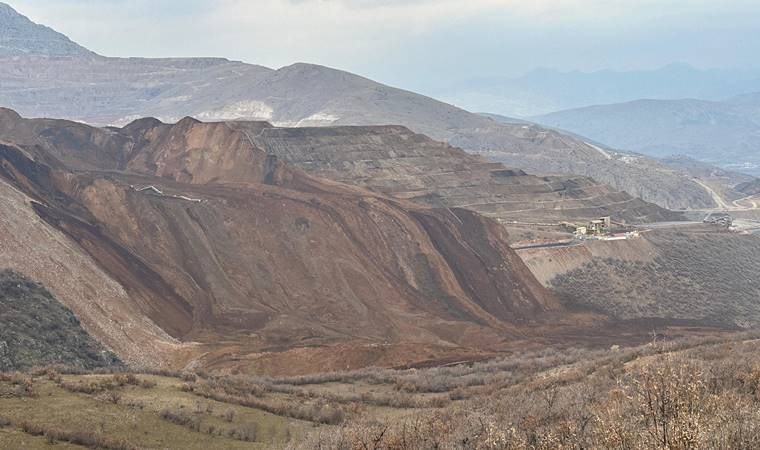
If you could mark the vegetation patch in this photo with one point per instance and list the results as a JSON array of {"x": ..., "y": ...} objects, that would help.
[
  {"x": 79, "y": 437},
  {"x": 37, "y": 330},
  {"x": 706, "y": 277}
]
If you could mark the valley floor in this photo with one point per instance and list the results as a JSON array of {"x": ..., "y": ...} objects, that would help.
[{"x": 687, "y": 393}]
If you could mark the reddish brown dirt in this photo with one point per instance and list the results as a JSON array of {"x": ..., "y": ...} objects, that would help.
[
  {"x": 273, "y": 264},
  {"x": 260, "y": 267}
]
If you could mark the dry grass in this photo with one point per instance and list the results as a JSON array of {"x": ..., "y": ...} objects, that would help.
[
  {"x": 693, "y": 393},
  {"x": 658, "y": 396}
]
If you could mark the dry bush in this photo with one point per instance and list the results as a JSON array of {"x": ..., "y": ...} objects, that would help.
[
  {"x": 23, "y": 384},
  {"x": 233, "y": 392},
  {"x": 53, "y": 376},
  {"x": 179, "y": 417},
  {"x": 105, "y": 385},
  {"x": 79, "y": 437},
  {"x": 113, "y": 397},
  {"x": 246, "y": 432},
  {"x": 187, "y": 376},
  {"x": 229, "y": 415},
  {"x": 81, "y": 387},
  {"x": 679, "y": 395},
  {"x": 147, "y": 384}
]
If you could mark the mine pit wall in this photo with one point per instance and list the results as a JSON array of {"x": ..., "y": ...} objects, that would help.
[{"x": 547, "y": 263}]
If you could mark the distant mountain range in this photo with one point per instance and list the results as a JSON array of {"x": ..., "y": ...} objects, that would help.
[
  {"x": 100, "y": 90},
  {"x": 544, "y": 90},
  {"x": 724, "y": 133}
]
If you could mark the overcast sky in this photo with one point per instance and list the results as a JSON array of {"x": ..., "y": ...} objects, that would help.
[{"x": 414, "y": 43}]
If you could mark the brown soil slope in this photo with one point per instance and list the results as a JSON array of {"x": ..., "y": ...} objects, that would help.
[{"x": 234, "y": 253}]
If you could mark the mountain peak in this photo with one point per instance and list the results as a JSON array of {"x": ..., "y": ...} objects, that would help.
[{"x": 20, "y": 36}]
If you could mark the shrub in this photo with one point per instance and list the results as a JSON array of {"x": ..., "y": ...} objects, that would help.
[
  {"x": 247, "y": 433},
  {"x": 23, "y": 384},
  {"x": 178, "y": 417},
  {"x": 113, "y": 397},
  {"x": 78, "y": 437}
]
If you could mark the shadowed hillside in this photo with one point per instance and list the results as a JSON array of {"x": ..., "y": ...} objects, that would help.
[{"x": 37, "y": 330}]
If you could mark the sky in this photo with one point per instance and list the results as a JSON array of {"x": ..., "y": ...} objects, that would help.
[{"x": 418, "y": 44}]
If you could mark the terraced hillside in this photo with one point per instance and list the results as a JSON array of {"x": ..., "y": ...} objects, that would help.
[{"x": 396, "y": 161}]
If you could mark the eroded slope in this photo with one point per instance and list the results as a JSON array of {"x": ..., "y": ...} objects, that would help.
[{"x": 232, "y": 249}]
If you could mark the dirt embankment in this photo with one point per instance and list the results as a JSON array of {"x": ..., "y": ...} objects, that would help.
[{"x": 547, "y": 263}]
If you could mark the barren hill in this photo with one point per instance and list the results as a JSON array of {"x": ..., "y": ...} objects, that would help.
[
  {"x": 20, "y": 36},
  {"x": 188, "y": 243},
  {"x": 396, "y": 161},
  {"x": 104, "y": 91}
]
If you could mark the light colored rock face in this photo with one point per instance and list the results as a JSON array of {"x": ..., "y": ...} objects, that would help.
[{"x": 20, "y": 36}]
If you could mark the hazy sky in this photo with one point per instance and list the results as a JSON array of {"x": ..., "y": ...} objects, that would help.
[{"x": 415, "y": 43}]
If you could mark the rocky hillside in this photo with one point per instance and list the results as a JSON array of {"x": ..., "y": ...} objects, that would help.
[
  {"x": 38, "y": 330},
  {"x": 105, "y": 91},
  {"x": 19, "y": 36},
  {"x": 195, "y": 246},
  {"x": 396, "y": 161}
]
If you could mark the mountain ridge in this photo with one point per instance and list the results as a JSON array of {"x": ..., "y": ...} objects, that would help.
[
  {"x": 115, "y": 91},
  {"x": 20, "y": 36},
  {"x": 543, "y": 91},
  {"x": 724, "y": 133}
]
